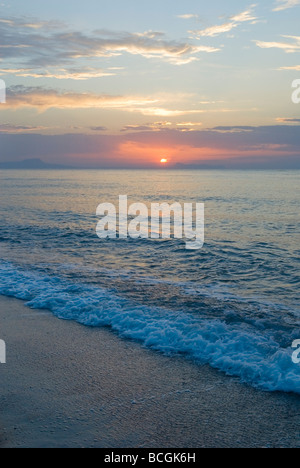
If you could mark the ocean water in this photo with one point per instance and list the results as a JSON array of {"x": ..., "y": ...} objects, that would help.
[{"x": 234, "y": 304}]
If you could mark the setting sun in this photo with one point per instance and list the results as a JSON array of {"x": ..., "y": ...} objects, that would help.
[{"x": 163, "y": 161}]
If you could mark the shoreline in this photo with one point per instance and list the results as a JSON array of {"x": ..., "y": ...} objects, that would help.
[{"x": 66, "y": 385}]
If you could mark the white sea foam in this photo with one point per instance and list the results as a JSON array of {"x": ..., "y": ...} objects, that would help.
[{"x": 237, "y": 349}]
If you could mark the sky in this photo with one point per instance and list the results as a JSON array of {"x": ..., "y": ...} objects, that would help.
[{"x": 129, "y": 83}]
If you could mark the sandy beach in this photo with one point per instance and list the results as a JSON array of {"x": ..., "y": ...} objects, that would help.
[{"x": 66, "y": 385}]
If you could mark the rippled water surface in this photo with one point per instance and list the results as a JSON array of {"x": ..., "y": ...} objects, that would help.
[{"x": 233, "y": 304}]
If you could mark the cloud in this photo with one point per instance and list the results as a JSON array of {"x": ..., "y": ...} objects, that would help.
[
  {"x": 161, "y": 112},
  {"x": 293, "y": 68},
  {"x": 31, "y": 23},
  {"x": 19, "y": 97},
  {"x": 43, "y": 99},
  {"x": 99, "y": 129},
  {"x": 163, "y": 105},
  {"x": 49, "y": 49},
  {"x": 149, "y": 127},
  {"x": 188, "y": 16},
  {"x": 285, "y": 4},
  {"x": 161, "y": 126},
  {"x": 9, "y": 128},
  {"x": 233, "y": 129},
  {"x": 285, "y": 120},
  {"x": 272, "y": 146},
  {"x": 84, "y": 73},
  {"x": 189, "y": 124},
  {"x": 138, "y": 128},
  {"x": 232, "y": 23},
  {"x": 288, "y": 47}
]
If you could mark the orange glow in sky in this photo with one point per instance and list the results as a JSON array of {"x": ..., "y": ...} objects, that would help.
[{"x": 108, "y": 114}]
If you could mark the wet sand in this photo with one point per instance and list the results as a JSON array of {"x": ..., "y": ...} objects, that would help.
[{"x": 65, "y": 385}]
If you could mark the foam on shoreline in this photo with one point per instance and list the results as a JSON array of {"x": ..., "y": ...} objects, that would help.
[{"x": 238, "y": 349}]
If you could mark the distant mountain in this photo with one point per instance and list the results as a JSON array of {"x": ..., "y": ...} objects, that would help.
[{"x": 31, "y": 164}]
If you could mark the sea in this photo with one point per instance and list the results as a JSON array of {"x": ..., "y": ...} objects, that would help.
[{"x": 233, "y": 305}]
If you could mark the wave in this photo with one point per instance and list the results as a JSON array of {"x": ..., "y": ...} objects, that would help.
[{"x": 238, "y": 349}]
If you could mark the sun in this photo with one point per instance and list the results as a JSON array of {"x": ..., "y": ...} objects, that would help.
[{"x": 163, "y": 161}]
